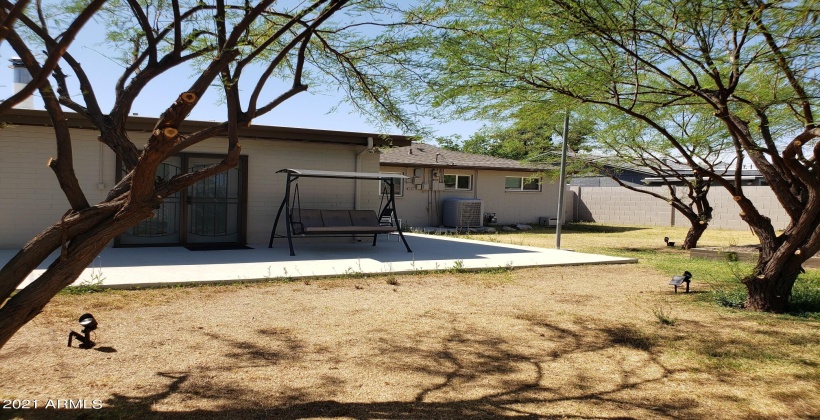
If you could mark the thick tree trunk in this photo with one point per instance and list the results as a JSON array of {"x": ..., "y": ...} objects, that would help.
[
  {"x": 694, "y": 234},
  {"x": 38, "y": 249},
  {"x": 768, "y": 294},
  {"x": 79, "y": 254},
  {"x": 769, "y": 287}
]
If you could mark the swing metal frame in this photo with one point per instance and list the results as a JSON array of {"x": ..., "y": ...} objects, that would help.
[{"x": 386, "y": 209}]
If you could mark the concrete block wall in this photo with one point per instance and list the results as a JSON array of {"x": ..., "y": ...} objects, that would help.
[
  {"x": 726, "y": 211},
  {"x": 622, "y": 206}
]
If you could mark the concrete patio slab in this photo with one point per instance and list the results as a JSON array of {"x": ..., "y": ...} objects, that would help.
[{"x": 152, "y": 267}]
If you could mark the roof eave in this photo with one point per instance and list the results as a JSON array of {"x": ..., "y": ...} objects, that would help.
[{"x": 146, "y": 124}]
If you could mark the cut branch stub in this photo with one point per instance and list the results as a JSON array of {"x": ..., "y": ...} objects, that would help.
[
  {"x": 188, "y": 97},
  {"x": 738, "y": 198},
  {"x": 170, "y": 132}
]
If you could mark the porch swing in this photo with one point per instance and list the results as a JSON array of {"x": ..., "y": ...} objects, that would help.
[{"x": 334, "y": 223}]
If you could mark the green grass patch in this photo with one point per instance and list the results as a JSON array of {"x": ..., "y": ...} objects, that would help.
[
  {"x": 805, "y": 301},
  {"x": 645, "y": 243}
]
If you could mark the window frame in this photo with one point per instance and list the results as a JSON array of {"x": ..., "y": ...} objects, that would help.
[
  {"x": 455, "y": 187},
  {"x": 522, "y": 182},
  {"x": 398, "y": 187}
]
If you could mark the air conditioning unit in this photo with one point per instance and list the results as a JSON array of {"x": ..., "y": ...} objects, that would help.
[{"x": 462, "y": 212}]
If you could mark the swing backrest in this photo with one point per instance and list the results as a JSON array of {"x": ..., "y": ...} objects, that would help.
[
  {"x": 336, "y": 218},
  {"x": 305, "y": 218},
  {"x": 364, "y": 218}
]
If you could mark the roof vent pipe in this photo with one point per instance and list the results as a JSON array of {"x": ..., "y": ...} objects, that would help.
[{"x": 21, "y": 78}]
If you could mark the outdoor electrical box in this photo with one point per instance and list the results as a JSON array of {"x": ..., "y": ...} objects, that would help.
[{"x": 418, "y": 178}]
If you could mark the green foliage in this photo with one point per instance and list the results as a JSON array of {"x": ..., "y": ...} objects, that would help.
[
  {"x": 730, "y": 297},
  {"x": 805, "y": 299},
  {"x": 533, "y": 135}
]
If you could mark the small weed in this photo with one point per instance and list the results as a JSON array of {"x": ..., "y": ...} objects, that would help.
[
  {"x": 663, "y": 313},
  {"x": 353, "y": 273},
  {"x": 458, "y": 266},
  {"x": 392, "y": 280},
  {"x": 92, "y": 285}
]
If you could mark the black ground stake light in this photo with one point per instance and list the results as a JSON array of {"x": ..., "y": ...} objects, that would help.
[
  {"x": 89, "y": 324},
  {"x": 678, "y": 280}
]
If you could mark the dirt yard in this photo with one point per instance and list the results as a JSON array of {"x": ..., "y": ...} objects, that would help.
[{"x": 546, "y": 342}]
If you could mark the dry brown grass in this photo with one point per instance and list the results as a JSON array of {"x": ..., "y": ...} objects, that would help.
[{"x": 564, "y": 341}]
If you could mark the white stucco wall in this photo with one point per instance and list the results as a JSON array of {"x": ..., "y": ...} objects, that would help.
[
  {"x": 31, "y": 200},
  {"x": 30, "y": 197}
]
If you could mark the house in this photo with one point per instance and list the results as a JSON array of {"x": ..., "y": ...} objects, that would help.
[
  {"x": 515, "y": 192},
  {"x": 235, "y": 207},
  {"x": 643, "y": 176}
]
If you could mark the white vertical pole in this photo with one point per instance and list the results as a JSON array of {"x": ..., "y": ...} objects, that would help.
[{"x": 561, "y": 186}]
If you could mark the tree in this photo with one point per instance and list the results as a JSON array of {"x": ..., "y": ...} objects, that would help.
[
  {"x": 629, "y": 143},
  {"x": 533, "y": 134},
  {"x": 10, "y": 13},
  {"x": 751, "y": 63},
  {"x": 230, "y": 45}
]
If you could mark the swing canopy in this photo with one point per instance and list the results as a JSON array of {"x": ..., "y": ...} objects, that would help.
[{"x": 310, "y": 173}]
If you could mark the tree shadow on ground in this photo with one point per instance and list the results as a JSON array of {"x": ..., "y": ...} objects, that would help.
[{"x": 470, "y": 374}]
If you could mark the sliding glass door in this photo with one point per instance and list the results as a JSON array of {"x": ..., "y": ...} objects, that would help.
[
  {"x": 212, "y": 211},
  {"x": 213, "y": 205}
]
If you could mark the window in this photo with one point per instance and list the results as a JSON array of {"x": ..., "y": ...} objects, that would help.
[
  {"x": 458, "y": 182},
  {"x": 398, "y": 185},
  {"x": 518, "y": 183}
]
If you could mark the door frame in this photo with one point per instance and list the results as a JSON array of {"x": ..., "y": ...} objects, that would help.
[{"x": 242, "y": 205}]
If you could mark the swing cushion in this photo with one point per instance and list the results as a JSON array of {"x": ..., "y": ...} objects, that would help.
[{"x": 338, "y": 222}]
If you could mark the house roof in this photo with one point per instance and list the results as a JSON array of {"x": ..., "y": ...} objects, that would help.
[
  {"x": 146, "y": 124},
  {"x": 726, "y": 170},
  {"x": 425, "y": 155}
]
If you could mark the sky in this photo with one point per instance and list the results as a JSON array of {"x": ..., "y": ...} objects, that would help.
[{"x": 317, "y": 108}]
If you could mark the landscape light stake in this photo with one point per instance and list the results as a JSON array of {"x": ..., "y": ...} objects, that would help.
[
  {"x": 678, "y": 280},
  {"x": 89, "y": 324}
]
